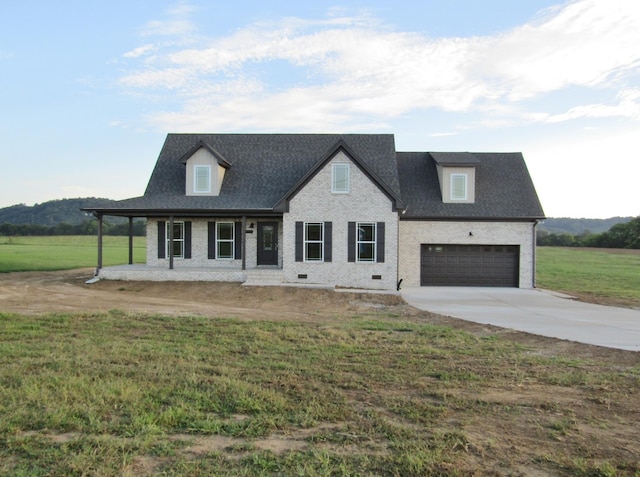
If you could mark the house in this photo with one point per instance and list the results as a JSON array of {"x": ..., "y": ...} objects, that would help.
[{"x": 337, "y": 210}]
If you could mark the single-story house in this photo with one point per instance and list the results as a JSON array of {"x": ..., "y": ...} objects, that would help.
[{"x": 337, "y": 210}]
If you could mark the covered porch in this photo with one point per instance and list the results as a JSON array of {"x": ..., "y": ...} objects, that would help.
[{"x": 195, "y": 255}]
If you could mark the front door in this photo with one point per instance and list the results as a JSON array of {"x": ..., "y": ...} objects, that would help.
[{"x": 267, "y": 243}]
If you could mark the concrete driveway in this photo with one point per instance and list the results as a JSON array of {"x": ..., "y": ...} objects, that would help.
[{"x": 534, "y": 311}]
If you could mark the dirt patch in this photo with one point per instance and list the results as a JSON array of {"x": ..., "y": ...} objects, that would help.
[{"x": 66, "y": 291}]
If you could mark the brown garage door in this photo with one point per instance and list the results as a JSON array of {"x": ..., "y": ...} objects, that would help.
[{"x": 469, "y": 265}]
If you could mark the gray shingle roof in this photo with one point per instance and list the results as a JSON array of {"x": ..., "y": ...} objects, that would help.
[
  {"x": 267, "y": 168},
  {"x": 264, "y": 167},
  {"x": 504, "y": 189}
]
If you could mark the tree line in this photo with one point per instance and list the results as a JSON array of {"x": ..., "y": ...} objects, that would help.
[
  {"x": 87, "y": 227},
  {"x": 54, "y": 212},
  {"x": 623, "y": 235}
]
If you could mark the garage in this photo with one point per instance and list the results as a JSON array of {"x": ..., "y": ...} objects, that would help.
[{"x": 469, "y": 265}]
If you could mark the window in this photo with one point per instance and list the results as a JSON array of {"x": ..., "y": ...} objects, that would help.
[
  {"x": 225, "y": 240},
  {"x": 178, "y": 239},
  {"x": 313, "y": 242},
  {"x": 340, "y": 179},
  {"x": 366, "y": 242},
  {"x": 202, "y": 179},
  {"x": 458, "y": 187}
]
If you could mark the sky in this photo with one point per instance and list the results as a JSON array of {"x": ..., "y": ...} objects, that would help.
[{"x": 89, "y": 89}]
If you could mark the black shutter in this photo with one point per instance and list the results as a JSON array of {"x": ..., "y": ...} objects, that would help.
[
  {"x": 299, "y": 241},
  {"x": 351, "y": 242},
  {"x": 328, "y": 232},
  {"x": 211, "y": 240},
  {"x": 380, "y": 242},
  {"x": 162, "y": 239},
  {"x": 237, "y": 253},
  {"x": 187, "y": 239}
]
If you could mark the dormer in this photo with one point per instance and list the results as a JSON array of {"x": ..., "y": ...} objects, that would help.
[
  {"x": 205, "y": 170},
  {"x": 457, "y": 176}
]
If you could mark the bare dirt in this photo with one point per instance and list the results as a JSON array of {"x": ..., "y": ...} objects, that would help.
[{"x": 598, "y": 423}]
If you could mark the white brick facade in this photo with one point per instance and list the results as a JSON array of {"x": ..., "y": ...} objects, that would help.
[
  {"x": 415, "y": 233},
  {"x": 364, "y": 203}
]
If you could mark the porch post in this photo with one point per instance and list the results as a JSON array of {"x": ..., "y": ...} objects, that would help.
[
  {"x": 130, "y": 240},
  {"x": 99, "y": 243},
  {"x": 171, "y": 242},
  {"x": 244, "y": 242}
]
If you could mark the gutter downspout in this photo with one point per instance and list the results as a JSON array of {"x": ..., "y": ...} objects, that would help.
[
  {"x": 130, "y": 240},
  {"x": 99, "y": 216},
  {"x": 398, "y": 279},
  {"x": 171, "y": 242},
  {"x": 244, "y": 242},
  {"x": 533, "y": 279}
]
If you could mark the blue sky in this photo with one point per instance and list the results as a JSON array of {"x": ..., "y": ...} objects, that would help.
[{"x": 89, "y": 89}]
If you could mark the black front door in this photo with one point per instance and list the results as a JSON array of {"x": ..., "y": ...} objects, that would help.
[{"x": 267, "y": 243}]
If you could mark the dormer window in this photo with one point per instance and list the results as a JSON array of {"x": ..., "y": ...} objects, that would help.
[
  {"x": 202, "y": 179},
  {"x": 205, "y": 170},
  {"x": 457, "y": 176},
  {"x": 340, "y": 179},
  {"x": 459, "y": 187}
]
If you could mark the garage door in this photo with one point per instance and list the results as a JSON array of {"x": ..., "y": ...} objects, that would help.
[{"x": 469, "y": 265}]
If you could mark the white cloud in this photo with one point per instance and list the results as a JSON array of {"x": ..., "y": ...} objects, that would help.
[
  {"x": 177, "y": 23},
  {"x": 168, "y": 27},
  {"x": 354, "y": 70},
  {"x": 628, "y": 107},
  {"x": 140, "y": 51},
  {"x": 584, "y": 43}
]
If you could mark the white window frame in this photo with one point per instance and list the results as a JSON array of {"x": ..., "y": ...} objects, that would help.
[
  {"x": 177, "y": 241},
  {"x": 308, "y": 242},
  {"x": 220, "y": 241},
  {"x": 196, "y": 171},
  {"x": 361, "y": 242},
  {"x": 454, "y": 179},
  {"x": 336, "y": 186}
]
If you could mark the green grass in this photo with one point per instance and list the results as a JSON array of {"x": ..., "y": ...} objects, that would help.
[
  {"x": 591, "y": 271},
  {"x": 377, "y": 394},
  {"x": 115, "y": 394},
  {"x": 65, "y": 252}
]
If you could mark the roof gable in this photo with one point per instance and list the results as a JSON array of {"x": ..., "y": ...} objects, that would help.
[
  {"x": 203, "y": 145},
  {"x": 341, "y": 145}
]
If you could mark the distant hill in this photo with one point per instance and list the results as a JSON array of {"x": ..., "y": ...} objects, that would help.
[
  {"x": 562, "y": 225},
  {"x": 50, "y": 213}
]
